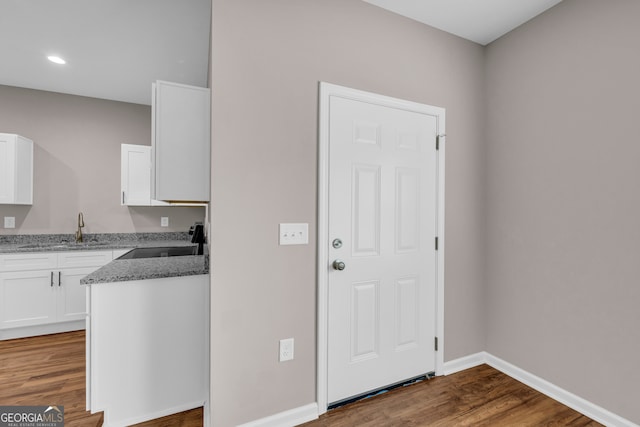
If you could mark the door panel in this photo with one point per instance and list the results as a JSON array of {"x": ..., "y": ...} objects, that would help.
[
  {"x": 365, "y": 321},
  {"x": 382, "y": 205},
  {"x": 407, "y": 309},
  {"x": 366, "y": 210},
  {"x": 407, "y": 215}
]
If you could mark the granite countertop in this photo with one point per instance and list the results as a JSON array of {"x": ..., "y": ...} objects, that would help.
[
  {"x": 125, "y": 270},
  {"x": 117, "y": 270},
  {"x": 66, "y": 242}
]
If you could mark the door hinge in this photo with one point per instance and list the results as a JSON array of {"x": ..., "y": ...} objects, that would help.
[
  {"x": 437, "y": 142},
  {"x": 436, "y": 343},
  {"x": 436, "y": 243}
]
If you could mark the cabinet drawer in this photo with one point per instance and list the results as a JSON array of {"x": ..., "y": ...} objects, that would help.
[
  {"x": 84, "y": 259},
  {"x": 26, "y": 262},
  {"x": 119, "y": 252}
]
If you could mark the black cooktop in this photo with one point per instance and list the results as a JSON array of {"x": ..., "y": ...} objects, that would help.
[{"x": 160, "y": 252}]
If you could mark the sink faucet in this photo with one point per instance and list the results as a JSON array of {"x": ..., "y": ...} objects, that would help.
[{"x": 80, "y": 225}]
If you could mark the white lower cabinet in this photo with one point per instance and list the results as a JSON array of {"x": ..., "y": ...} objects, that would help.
[
  {"x": 41, "y": 293},
  {"x": 28, "y": 298},
  {"x": 72, "y": 298}
]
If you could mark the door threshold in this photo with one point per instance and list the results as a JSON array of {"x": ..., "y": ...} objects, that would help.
[{"x": 381, "y": 390}]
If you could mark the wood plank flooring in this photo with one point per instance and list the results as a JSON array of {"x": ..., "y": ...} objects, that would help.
[
  {"x": 481, "y": 396},
  {"x": 47, "y": 370},
  {"x": 50, "y": 370}
]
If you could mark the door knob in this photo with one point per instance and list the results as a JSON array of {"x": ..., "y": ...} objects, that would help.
[{"x": 338, "y": 265}]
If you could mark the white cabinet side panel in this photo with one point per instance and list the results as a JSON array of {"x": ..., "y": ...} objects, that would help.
[{"x": 181, "y": 147}]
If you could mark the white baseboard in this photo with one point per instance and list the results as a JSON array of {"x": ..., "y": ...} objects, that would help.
[
  {"x": 290, "y": 418},
  {"x": 148, "y": 416},
  {"x": 470, "y": 361},
  {"x": 565, "y": 397},
  {"x": 309, "y": 412},
  {"x": 46, "y": 329}
]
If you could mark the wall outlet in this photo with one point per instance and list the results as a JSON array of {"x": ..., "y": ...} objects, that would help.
[
  {"x": 164, "y": 221},
  {"x": 294, "y": 234},
  {"x": 286, "y": 349},
  {"x": 9, "y": 222}
]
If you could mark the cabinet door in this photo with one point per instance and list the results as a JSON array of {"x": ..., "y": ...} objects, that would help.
[
  {"x": 7, "y": 169},
  {"x": 27, "y": 298},
  {"x": 181, "y": 142},
  {"x": 16, "y": 170},
  {"x": 135, "y": 175},
  {"x": 72, "y": 299}
]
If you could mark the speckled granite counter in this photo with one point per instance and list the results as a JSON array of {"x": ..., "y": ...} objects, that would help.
[
  {"x": 117, "y": 270},
  {"x": 125, "y": 270},
  {"x": 66, "y": 242}
]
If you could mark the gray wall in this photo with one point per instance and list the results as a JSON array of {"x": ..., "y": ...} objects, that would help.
[
  {"x": 268, "y": 58},
  {"x": 563, "y": 205},
  {"x": 77, "y": 164}
]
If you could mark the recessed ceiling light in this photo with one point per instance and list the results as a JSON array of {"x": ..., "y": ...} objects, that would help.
[{"x": 56, "y": 59}]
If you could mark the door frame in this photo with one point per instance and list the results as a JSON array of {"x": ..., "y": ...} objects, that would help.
[{"x": 326, "y": 91}]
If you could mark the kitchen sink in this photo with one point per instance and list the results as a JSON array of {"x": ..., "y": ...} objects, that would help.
[{"x": 160, "y": 252}]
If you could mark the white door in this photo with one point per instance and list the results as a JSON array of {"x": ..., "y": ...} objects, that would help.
[{"x": 382, "y": 228}]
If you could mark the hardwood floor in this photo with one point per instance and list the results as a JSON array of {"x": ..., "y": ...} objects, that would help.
[
  {"x": 480, "y": 396},
  {"x": 47, "y": 370},
  {"x": 50, "y": 370}
]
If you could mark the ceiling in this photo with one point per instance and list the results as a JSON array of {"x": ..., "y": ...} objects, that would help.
[
  {"x": 481, "y": 21},
  {"x": 114, "y": 48}
]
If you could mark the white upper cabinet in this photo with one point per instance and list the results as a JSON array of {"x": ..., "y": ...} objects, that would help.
[
  {"x": 16, "y": 170},
  {"x": 135, "y": 176},
  {"x": 181, "y": 143}
]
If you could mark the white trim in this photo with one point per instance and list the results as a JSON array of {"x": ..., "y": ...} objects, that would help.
[
  {"x": 591, "y": 410},
  {"x": 148, "y": 416},
  {"x": 440, "y": 123},
  {"x": 322, "y": 249},
  {"x": 45, "y": 329},
  {"x": 290, "y": 418},
  {"x": 563, "y": 396},
  {"x": 466, "y": 362},
  {"x": 325, "y": 91}
]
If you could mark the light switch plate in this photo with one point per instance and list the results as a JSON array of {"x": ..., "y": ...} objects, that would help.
[
  {"x": 164, "y": 221},
  {"x": 294, "y": 234},
  {"x": 9, "y": 222}
]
